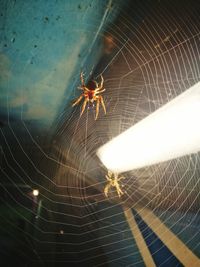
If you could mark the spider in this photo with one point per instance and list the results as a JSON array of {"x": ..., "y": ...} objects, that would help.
[
  {"x": 91, "y": 93},
  {"x": 113, "y": 181}
]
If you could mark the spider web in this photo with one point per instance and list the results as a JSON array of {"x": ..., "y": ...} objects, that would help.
[{"x": 150, "y": 56}]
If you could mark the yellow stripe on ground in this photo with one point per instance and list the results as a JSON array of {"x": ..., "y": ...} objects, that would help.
[
  {"x": 145, "y": 253},
  {"x": 176, "y": 246}
]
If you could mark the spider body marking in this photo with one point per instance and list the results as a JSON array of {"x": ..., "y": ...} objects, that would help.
[{"x": 91, "y": 93}]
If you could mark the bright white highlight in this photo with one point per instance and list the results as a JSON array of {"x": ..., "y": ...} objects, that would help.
[
  {"x": 170, "y": 132},
  {"x": 35, "y": 192}
]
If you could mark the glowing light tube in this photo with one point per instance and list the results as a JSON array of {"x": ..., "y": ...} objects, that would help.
[{"x": 171, "y": 131}]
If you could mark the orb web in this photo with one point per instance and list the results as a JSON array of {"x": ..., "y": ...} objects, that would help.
[{"x": 150, "y": 56}]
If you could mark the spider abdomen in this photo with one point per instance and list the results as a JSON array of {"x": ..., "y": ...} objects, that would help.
[
  {"x": 92, "y": 85},
  {"x": 91, "y": 94}
]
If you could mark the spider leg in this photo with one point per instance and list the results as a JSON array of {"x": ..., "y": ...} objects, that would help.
[
  {"x": 102, "y": 81},
  {"x": 102, "y": 103},
  {"x": 82, "y": 79},
  {"x": 77, "y": 101},
  {"x": 99, "y": 92},
  {"x": 108, "y": 178},
  {"x": 119, "y": 191},
  {"x": 109, "y": 173},
  {"x": 83, "y": 87},
  {"x": 121, "y": 178},
  {"x": 97, "y": 108},
  {"x": 106, "y": 190},
  {"x": 99, "y": 87},
  {"x": 83, "y": 106},
  {"x": 86, "y": 89}
]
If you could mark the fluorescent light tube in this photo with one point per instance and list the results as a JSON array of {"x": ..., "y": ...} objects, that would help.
[{"x": 171, "y": 131}]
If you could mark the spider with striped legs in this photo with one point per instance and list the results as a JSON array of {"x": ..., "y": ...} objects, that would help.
[
  {"x": 91, "y": 93},
  {"x": 113, "y": 181}
]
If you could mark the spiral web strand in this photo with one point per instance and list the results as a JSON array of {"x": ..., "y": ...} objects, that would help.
[{"x": 153, "y": 57}]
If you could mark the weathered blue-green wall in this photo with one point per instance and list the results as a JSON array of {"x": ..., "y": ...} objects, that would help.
[{"x": 43, "y": 47}]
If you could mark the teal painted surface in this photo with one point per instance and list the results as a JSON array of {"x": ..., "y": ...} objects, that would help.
[{"x": 43, "y": 47}]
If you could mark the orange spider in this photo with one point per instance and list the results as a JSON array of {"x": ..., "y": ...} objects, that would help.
[
  {"x": 113, "y": 181},
  {"x": 91, "y": 93}
]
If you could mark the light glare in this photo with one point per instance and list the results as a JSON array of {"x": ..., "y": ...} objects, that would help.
[
  {"x": 170, "y": 132},
  {"x": 35, "y": 192}
]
